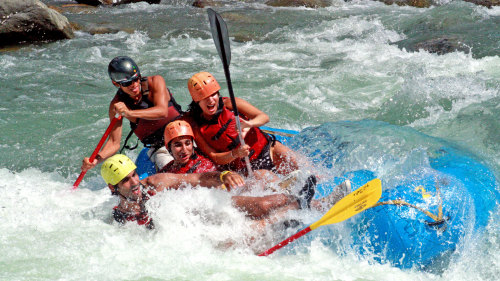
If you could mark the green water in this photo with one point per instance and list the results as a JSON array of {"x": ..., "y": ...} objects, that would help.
[{"x": 304, "y": 67}]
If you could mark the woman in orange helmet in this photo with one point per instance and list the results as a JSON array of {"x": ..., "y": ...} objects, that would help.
[
  {"x": 216, "y": 134},
  {"x": 179, "y": 139}
]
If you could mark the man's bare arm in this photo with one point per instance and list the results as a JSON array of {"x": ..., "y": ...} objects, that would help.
[{"x": 163, "y": 181}]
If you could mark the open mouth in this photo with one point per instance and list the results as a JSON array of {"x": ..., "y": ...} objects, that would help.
[
  {"x": 211, "y": 108},
  {"x": 136, "y": 190},
  {"x": 184, "y": 157},
  {"x": 136, "y": 90}
]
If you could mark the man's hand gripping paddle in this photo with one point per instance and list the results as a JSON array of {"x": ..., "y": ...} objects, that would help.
[
  {"x": 352, "y": 204},
  {"x": 221, "y": 40},
  {"x": 98, "y": 148}
]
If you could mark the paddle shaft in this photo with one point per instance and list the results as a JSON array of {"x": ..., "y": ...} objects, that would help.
[
  {"x": 286, "y": 241},
  {"x": 352, "y": 204},
  {"x": 225, "y": 63},
  {"x": 97, "y": 149}
]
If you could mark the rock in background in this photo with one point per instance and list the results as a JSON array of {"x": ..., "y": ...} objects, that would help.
[
  {"x": 486, "y": 3},
  {"x": 428, "y": 3},
  {"x": 299, "y": 3},
  {"x": 25, "y": 21},
  {"x": 115, "y": 2}
]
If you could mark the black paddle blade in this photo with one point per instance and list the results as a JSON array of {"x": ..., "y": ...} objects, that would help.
[{"x": 220, "y": 35}]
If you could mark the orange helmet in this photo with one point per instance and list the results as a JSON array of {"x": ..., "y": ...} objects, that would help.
[
  {"x": 202, "y": 85},
  {"x": 177, "y": 128}
]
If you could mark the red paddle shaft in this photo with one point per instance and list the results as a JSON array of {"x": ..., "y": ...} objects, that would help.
[
  {"x": 354, "y": 203},
  {"x": 286, "y": 241},
  {"x": 96, "y": 150}
]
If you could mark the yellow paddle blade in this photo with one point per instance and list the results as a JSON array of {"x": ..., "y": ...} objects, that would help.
[{"x": 354, "y": 203}]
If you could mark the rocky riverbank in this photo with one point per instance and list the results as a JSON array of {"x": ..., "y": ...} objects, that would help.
[{"x": 32, "y": 21}]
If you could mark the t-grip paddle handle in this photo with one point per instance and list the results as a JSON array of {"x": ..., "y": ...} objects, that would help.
[{"x": 98, "y": 148}]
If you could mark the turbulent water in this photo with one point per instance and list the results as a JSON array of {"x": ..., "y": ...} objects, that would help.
[{"x": 304, "y": 67}]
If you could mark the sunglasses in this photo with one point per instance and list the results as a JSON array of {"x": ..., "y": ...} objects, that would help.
[{"x": 128, "y": 83}]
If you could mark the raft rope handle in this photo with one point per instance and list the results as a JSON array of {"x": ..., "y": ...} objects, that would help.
[
  {"x": 440, "y": 200},
  {"x": 404, "y": 203},
  {"x": 437, "y": 219}
]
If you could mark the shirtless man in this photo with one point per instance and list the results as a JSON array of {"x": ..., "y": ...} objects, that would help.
[{"x": 119, "y": 172}]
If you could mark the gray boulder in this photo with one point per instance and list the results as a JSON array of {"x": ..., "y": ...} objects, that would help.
[
  {"x": 413, "y": 3},
  {"x": 299, "y": 3},
  {"x": 115, "y": 2},
  {"x": 439, "y": 45},
  {"x": 428, "y": 3},
  {"x": 442, "y": 46},
  {"x": 207, "y": 3},
  {"x": 25, "y": 21},
  {"x": 486, "y": 3}
]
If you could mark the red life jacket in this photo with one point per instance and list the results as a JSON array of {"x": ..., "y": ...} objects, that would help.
[
  {"x": 196, "y": 164},
  {"x": 150, "y": 132},
  {"x": 222, "y": 135}
]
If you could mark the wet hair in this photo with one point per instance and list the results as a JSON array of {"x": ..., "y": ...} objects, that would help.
[{"x": 195, "y": 110}]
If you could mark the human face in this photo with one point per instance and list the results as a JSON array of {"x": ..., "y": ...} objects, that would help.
[
  {"x": 129, "y": 187},
  {"x": 132, "y": 88},
  {"x": 182, "y": 149},
  {"x": 209, "y": 105}
]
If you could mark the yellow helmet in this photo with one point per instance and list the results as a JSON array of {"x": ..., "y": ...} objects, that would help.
[{"x": 116, "y": 168}]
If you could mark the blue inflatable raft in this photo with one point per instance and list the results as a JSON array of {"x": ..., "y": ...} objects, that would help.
[{"x": 429, "y": 206}]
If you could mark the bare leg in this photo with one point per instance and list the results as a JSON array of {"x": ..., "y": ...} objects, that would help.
[
  {"x": 259, "y": 207},
  {"x": 262, "y": 180},
  {"x": 284, "y": 159},
  {"x": 337, "y": 194},
  {"x": 265, "y": 175},
  {"x": 263, "y": 211}
]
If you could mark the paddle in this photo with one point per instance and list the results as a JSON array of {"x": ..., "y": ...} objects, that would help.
[
  {"x": 221, "y": 40},
  {"x": 352, "y": 204},
  {"x": 98, "y": 148}
]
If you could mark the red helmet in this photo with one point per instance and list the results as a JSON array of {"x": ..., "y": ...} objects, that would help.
[
  {"x": 202, "y": 85},
  {"x": 177, "y": 128}
]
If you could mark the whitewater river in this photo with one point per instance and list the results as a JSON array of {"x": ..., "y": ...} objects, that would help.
[{"x": 351, "y": 61}]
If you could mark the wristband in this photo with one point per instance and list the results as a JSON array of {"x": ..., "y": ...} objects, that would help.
[{"x": 223, "y": 174}]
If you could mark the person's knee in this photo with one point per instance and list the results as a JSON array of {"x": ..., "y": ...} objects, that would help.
[
  {"x": 285, "y": 165},
  {"x": 271, "y": 202},
  {"x": 264, "y": 206}
]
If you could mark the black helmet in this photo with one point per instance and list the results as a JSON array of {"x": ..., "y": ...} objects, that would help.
[{"x": 123, "y": 69}]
